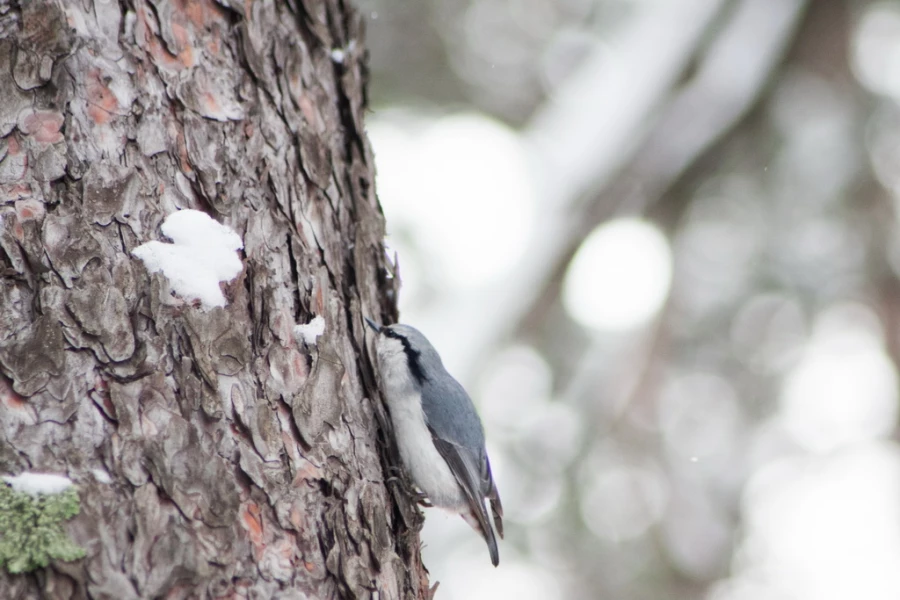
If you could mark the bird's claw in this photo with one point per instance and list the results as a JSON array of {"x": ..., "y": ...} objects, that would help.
[{"x": 420, "y": 498}]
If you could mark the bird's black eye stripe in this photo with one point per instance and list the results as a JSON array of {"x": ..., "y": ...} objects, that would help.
[{"x": 412, "y": 356}]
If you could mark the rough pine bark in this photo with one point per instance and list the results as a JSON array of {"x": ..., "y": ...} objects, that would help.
[{"x": 214, "y": 455}]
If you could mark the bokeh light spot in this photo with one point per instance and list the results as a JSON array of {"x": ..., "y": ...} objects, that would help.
[
  {"x": 822, "y": 527},
  {"x": 457, "y": 188},
  {"x": 845, "y": 388},
  {"x": 876, "y": 49},
  {"x": 620, "y": 276}
]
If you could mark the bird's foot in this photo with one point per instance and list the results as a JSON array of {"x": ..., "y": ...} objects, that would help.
[
  {"x": 421, "y": 499},
  {"x": 418, "y": 497}
]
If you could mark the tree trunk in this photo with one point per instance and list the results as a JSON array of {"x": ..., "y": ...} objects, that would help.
[{"x": 214, "y": 455}]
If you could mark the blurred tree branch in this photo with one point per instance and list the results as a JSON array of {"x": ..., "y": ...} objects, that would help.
[{"x": 687, "y": 120}]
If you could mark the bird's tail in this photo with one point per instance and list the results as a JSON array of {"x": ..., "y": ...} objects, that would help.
[
  {"x": 478, "y": 520},
  {"x": 496, "y": 508}
]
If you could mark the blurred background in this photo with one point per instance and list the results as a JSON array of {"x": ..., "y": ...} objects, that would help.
[{"x": 657, "y": 242}]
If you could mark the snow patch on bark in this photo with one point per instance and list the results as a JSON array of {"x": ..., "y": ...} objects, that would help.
[
  {"x": 201, "y": 255},
  {"x": 38, "y": 483},
  {"x": 310, "y": 332}
]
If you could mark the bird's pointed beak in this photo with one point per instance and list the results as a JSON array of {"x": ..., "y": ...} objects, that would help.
[{"x": 373, "y": 325}]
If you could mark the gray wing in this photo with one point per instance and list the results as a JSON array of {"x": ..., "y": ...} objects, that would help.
[
  {"x": 463, "y": 463},
  {"x": 459, "y": 438},
  {"x": 450, "y": 413}
]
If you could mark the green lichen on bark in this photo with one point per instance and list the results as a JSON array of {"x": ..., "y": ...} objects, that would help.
[{"x": 31, "y": 529}]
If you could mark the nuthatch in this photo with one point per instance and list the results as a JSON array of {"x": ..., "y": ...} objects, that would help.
[{"x": 438, "y": 432}]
